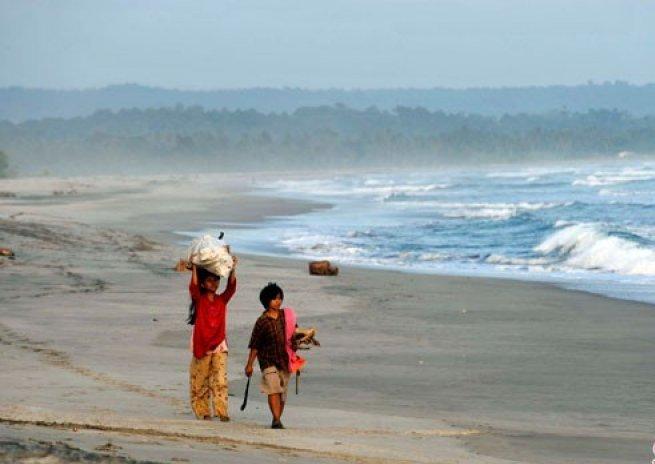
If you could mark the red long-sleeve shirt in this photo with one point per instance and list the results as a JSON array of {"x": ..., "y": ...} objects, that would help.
[{"x": 211, "y": 318}]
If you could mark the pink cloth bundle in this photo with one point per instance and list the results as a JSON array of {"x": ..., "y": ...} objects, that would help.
[{"x": 296, "y": 363}]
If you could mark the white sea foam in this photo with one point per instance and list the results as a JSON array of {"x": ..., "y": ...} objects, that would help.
[
  {"x": 626, "y": 175},
  {"x": 509, "y": 175},
  {"x": 406, "y": 220},
  {"x": 492, "y": 211},
  {"x": 605, "y": 192},
  {"x": 645, "y": 232},
  {"x": 325, "y": 246},
  {"x": 586, "y": 246},
  {"x": 533, "y": 172},
  {"x": 432, "y": 257},
  {"x": 391, "y": 193},
  {"x": 562, "y": 223},
  {"x": 360, "y": 233},
  {"x": 376, "y": 182},
  {"x": 345, "y": 187},
  {"x": 500, "y": 259}
]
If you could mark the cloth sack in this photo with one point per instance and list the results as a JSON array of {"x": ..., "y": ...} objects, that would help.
[{"x": 211, "y": 254}]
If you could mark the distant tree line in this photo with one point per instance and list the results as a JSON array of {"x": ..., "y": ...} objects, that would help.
[
  {"x": 20, "y": 104},
  {"x": 4, "y": 164},
  {"x": 326, "y": 136}
]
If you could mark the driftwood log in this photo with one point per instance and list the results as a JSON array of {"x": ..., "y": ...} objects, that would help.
[
  {"x": 323, "y": 268},
  {"x": 7, "y": 252}
]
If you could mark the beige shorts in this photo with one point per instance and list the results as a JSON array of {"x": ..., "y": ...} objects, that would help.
[{"x": 275, "y": 381}]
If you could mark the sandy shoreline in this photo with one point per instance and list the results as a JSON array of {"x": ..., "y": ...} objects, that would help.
[{"x": 414, "y": 368}]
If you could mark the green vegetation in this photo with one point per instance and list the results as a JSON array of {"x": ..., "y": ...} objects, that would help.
[
  {"x": 21, "y": 104},
  {"x": 325, "y": 136},
  {"x": 4, "y": 164}
]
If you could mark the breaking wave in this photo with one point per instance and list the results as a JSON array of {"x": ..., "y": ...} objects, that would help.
[
  {"x": 610, "y": 178},
  {"x": 591, "y": 225},
  {"x": 492, "y": 211},
  {"x": 587, "y": 246}
]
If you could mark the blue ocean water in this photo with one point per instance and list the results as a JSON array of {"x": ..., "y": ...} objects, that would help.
[{"x": 588, "y": 227}]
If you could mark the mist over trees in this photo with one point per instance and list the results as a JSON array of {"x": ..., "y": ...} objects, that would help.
[
  {"x": 19, "y": 104},
  {"x": 193, "y": 139},
  {"x": 4, "y": 164}
]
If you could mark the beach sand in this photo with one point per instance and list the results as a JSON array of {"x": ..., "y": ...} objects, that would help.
[{"x": 412, "y": 368}]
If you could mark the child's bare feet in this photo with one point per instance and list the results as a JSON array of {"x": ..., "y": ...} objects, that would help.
[
  {"x": 207, "y": 418},
  {"x": 224, "y": 418}
]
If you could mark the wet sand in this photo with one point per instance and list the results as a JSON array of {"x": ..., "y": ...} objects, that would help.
[{"x": 413, "y": 368}]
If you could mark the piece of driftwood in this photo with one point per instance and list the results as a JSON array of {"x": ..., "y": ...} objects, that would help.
[
  {"x": 323, "y": 268},
  {"x": 7, "y": 252}
]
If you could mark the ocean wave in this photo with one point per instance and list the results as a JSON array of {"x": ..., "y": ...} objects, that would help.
[
  {"x": 626, "y": 175},
  {"x": 401, "y": 192},
  {"x": 325, "y": 246},
  {"x": 493, "y": 211},
  {"x": 534, "y": 171},
  {"x": 605, "y": 192},
  {"x": 501, "y": 221},
  {"x": 587, "y": 246},
  {"x": 398, "y": 196},
  {"x": 490, "y": 211},
  {"x": 319, "y": 187},
  {"x": 563, "y": 223},
  {"x": 413, "y": 256},
  {"x": 644, "y": 232},
  {"x": 506, "y": 260},
  {"x": 433, "y": 257},
  {"x": 361, "y": 233},
  {"x": 345, "y": 187},
  {"x": 510, "y": 175}
]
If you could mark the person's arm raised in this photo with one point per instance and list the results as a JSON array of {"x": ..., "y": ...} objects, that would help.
[
  {"x": 194, "y": 291},
  {"x": 231, "y": 282}
]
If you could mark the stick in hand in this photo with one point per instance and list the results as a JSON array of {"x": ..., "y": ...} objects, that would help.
[{"x": 245, "y": 395}]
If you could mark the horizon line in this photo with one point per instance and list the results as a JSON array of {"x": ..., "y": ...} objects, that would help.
[{"x": 589, "y": 83}]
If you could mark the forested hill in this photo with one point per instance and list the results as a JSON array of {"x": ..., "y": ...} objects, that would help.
[
  {"x": 20, "y": 104},
  {"x": 191, "y": 138}
]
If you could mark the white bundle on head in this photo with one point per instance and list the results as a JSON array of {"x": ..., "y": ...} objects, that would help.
[{"x": 211, "y": 254}]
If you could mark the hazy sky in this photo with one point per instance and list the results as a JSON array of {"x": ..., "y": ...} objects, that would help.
[{"x": 203, "y": 44}]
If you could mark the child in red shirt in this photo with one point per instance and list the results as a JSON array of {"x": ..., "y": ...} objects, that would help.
[{"x": 208, "y": 315}]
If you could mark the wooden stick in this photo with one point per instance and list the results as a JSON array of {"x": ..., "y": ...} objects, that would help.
[
  {"x": 245, "y": 395},
  {"x": 297, "y": 382}
]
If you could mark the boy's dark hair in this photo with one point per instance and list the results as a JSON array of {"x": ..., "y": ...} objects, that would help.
[
  {"x": 269, "y": 293},
  {"x": 202, "y": 275}
]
